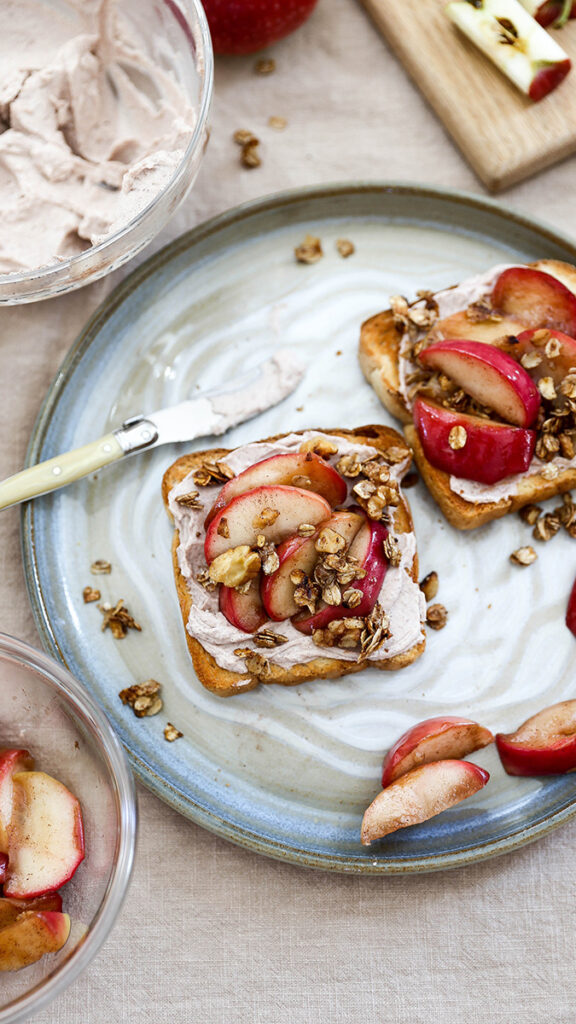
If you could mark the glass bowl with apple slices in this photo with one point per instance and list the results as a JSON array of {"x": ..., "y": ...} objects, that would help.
[{"x": 45, "y": 711}]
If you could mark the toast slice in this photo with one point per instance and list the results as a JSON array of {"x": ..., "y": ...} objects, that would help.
[
  {"x": 213, "y": 666},
  {"x": 379, "y": 357}
]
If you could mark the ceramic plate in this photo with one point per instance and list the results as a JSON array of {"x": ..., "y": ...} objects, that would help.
[{"x": 289, "y": 771}]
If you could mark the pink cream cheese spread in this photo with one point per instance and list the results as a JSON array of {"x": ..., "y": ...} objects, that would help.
[
  {"x": 400, "y": 596},
  {"x": 91, "y": 128}
]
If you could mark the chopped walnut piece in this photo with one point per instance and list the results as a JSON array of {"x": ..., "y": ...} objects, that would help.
[
  {"x": 267, "y": 517},
  {"x": 189, "y": 500},
  {"x": 235, "y": 566},
  {"x": 100, "y": 567},
  {"x": 345, "y": 247},
  {"x": 392, "y": 551},
  {"x": 429, "y": 586},
  {"x": 265, "y": 66},
  {"x": 143, "y": 698},
  {"x": 329, "y": 542},
  {"x": 118, "y": 619},
  {"x": 223, "y": 528},
  {"x": 277, "y": 123},
  {"x": 212, "y": 473},
  {"x": 320, "y": 446},
  {"x": 89, "y": 594},
  {"x": 436, "y": 616},
  {"x": 457, "y": 438},
  {"x": 530, "y": 514},
  {"x": 171, "y": 733},
  {"x": 309, "y": 251},
  {"x": 547, "y": 389},
  {"x": 268, "y": 638},
  {"x": 524, "y": 556}
]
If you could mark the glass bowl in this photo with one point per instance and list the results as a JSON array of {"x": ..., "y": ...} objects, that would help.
[
  {"x": 43, "y": 709},
  {"x": 175, "y": 34}
]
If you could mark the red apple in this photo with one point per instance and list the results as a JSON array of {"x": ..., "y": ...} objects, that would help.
[
  {"x": 30, "y": 936},
  {"x": 11, "y": 909},
  {"x": 299, "y": 469},
  {"x": 545, "y": 744},
  {"x": 245, "y": 611},
  {"x": 45, "y": 838},
  {"x": 549, "y": 12},
  {"x": 273, "y": 512},
  {"x": 458, "y": 325},
  {"x": 489, "y": 376},
  {"x": 245, "y": 26},
  {"x": 491, "y": 451},
  {"x": 536, "y": 298},
  {"x": 532, "y": 343},
  {"x": 421, "y": 794},
  {"x": 436, "y": 739},
  {"x": 11, "y": 761},
  {"x": 367, "y": 549},
  {"x": 299, "y": 553}
]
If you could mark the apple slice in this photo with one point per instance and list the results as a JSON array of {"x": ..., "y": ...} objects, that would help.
[
  {"x": 561, "y": 361},
  {"x": 550, "y": 12},
  {"x": 273, "y": 512},
  {"x": 471, "y": 447},
  {"x": 536, "y": 298},
  {"x": 545, "y": 744},
  {"x": 421, "y": 794},
  {"x": 367, "y": 549},
  {"x": 571, "y": 610},
  {"x": 11, "y": 909},
  {"x": 488, "y": 375},
  {"x": 435, "y": 739},
  {"x": 299, "y": 553},
  {"x": 45, "y": 838},
  {"x": 11, "y": 761},
  {"x": 245, "y": 611},
  {"x": 299, "y": 469},
  {"x": 30, "y": 936},
  {"x": 458, "y": 325}
]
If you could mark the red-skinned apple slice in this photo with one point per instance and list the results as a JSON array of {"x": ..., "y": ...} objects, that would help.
[
  {"x": 30, "y": 936},
  {"x": 534, "y": 343},
  {"x": 490, "y": 452},
  {"x": 488, "y": 375},
  {"x": 299, "y": 469},
  {"x": 545, "y": 744},
  {"x": 11, "y": 761},
  {"x": 436, "y": 739},
  {"x": 419, "y": 795},
  {"x": 536, "y": 298},
  {"x": 299, "y": 553},
  {"x": 11, "y": 909},
  {"x": 458, "y": 325},
  {"x": 571, "y": 610},
  {"x": 45, "y": 838},
  {"x": 367, "y": 549},
  {"x": 245, "y": 611},
  {"x": 274, "y": 512}
]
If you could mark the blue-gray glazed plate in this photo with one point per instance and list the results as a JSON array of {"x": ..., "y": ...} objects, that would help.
[{"x": 288, "y": 771}]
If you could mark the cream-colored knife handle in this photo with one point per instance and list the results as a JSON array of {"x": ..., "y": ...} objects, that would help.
[{"x": 62, "y": 470}]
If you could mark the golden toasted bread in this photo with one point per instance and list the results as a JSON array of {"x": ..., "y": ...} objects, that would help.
[
  {"x": 379, "y": 356},
  {"x": 226, "y": 683}
]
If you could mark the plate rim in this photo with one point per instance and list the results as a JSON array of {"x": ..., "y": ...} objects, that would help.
[{"x": 161, "y": 787}]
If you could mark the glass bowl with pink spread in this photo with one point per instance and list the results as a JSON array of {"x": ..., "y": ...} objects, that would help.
[{"x": 103, "y": 125}]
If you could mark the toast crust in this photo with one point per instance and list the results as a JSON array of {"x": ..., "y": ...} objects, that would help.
[
  {"x": 378, "y": 355},
  {"x": 225, "y": 683}
]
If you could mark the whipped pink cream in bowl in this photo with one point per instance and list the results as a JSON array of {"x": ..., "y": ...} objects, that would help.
[{"x": 103, "y": 125}]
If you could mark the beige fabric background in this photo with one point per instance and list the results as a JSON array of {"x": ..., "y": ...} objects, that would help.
[{"x": 211, "y": 932}]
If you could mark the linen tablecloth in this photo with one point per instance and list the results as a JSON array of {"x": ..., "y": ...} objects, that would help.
[{"x": 211, "y": 932}]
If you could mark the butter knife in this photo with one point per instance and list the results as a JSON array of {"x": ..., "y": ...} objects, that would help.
[{"x": 212, "y": 413}]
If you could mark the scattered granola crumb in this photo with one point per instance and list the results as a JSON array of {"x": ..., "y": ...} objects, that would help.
[
  {"x": 345, "y": 247},
  {"x": 437, "y": 616},
  {"x": 189, "y": 500},
  {"x": 278, "y": 124},
  {"x": 243, "y": 137},
  {"x": 171, "y": 733},
  {"x": 143, "y": 698},
  {"x": 118, "y": 619},
  {"x": 265, "y": 66},
  {"x": 309, "y": 251},
  {"x": 457, "y": 438},
  {"x": 530, "y": 514},
  {"x": 89, "y": 595},
  {"x": 212, "y": 473},
  {"x": 100, "y": 567},
  {"x": 250, "y": 156},
  {"x": 524, "y": 556},
  {"x": 546, "y": 388},
  {"x": 268, "y": 638},
  {"x": 429, "y": 586}
]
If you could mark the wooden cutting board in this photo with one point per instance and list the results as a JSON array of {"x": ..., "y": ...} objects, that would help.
[{"x": 505, "y": 136}]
